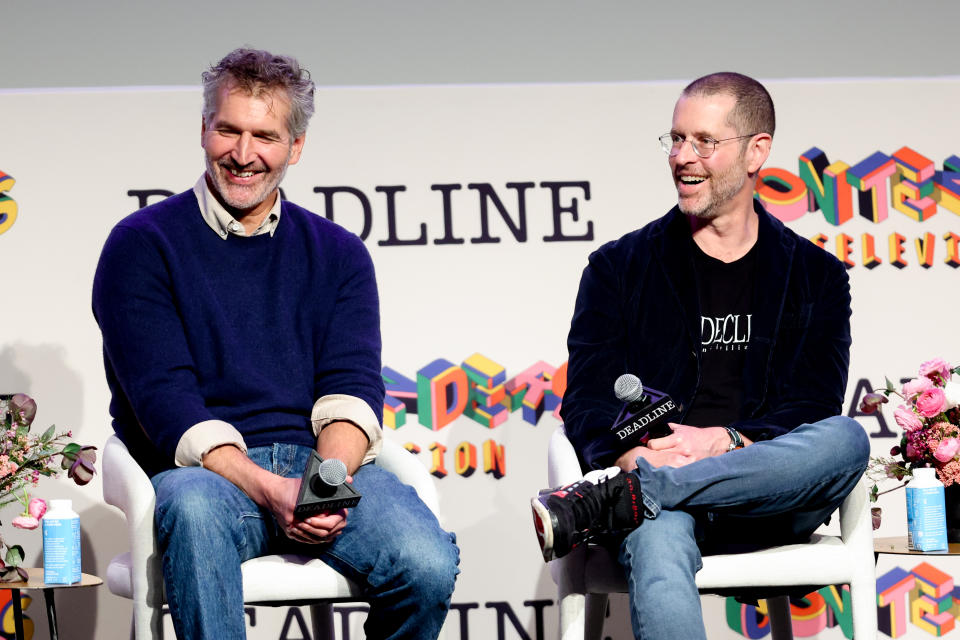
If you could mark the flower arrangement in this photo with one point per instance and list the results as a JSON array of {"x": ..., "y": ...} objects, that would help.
[
  {"x": 23, "y": 459},
  {"x": 930, "y": 418}
]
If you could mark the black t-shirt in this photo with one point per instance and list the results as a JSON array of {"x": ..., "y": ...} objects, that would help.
[{"x": 726, "y": 293}]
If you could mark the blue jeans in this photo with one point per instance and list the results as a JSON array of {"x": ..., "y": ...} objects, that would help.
[
  {"x": 772, "y": 492},
  {"x": 392, "y": 546}
]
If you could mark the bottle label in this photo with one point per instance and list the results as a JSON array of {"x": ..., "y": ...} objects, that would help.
[
  {"x": 926, "y": 519},
  {"x": 61, "y": 550}
]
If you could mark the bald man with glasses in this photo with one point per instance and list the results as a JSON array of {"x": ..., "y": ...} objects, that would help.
[{"x": 747, "y": 326}]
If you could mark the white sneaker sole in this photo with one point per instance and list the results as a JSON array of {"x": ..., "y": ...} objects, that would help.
[{"x": 543, "y": 524}]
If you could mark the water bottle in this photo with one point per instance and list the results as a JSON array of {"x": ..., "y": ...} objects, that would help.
[
  {"x": 61, "y": 543},
  {"x": 926, "y": 512}
]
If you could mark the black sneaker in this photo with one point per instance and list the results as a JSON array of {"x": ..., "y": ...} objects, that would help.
[{"x": 599, "y": 503}]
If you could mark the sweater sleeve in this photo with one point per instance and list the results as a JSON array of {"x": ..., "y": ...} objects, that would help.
[
  {"x": 347, "y": 383},
  {"x": 148, "y": 361},
  {"x": 596, "y": 344}
]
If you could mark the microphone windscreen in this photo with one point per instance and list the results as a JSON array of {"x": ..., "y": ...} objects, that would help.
[
  {"x": 628, "y": 388},
  {"x": 332, "y": 472}
]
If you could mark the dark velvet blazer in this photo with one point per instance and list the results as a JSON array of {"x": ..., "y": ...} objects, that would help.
[{"x": 638, "y": 312}]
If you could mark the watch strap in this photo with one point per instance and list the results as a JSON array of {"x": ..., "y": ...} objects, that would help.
[{"x": 736, "y": 442}]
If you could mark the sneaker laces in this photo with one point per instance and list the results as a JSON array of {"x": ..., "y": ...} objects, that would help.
[{"x": 594, "y": 508}]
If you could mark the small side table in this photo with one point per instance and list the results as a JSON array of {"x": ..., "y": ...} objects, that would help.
[
  {"x": 35, "y": 581},
  {"x": 898, "y": 545}
]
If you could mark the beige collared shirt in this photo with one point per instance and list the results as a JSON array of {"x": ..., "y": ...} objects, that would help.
[
  {"x": 209, "y": 434},
  {"x": 220, "y": 220}
]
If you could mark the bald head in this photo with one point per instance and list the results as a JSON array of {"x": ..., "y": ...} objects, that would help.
[{"x": 753, "y": 109}]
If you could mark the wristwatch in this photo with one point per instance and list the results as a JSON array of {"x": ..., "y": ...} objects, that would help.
[{"x": 736, "y": 442}]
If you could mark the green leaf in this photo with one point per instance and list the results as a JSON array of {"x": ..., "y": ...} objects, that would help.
[
  {"x": 890, "y": 388},
  {"x": 48, "y": 434},
  {"x": 14, "y": 557},
  {"x": 70, "y": 449}
]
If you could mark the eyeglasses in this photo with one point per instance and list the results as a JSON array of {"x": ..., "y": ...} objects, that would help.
[{"x": 704, "y": 147}]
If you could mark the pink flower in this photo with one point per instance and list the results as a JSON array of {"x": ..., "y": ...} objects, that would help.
[
  {"x": 906, "y": 418},
  {"x": 937, "y": 370},
  {"x": 7, "y": 468},
  {"x": 915, "y": 386},
  {"x": 25, "y": 522},
  {"x": 911, "y": 452},
  {"x": 37, "y": 507},
  {"x": 947, "y": 449},
  {"x": 931, "y": 402},
  {"x": 949, "y": 473}
]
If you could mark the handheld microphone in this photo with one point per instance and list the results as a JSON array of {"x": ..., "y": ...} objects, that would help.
[
  {"x": 324, "y": 487},
  {"x": 629, "y": 390},
  {"x": 644, "y": 415}
]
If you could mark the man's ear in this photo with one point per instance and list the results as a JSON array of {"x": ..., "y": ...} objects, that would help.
[
  {"x": 296, "y": 148},
  {"x": 758, "y": 151}
]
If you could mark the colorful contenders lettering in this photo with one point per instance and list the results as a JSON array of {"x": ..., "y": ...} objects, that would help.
[
  {"x": 925, "y": 596},
  {"x": 8, "y": 206},
  {"x": 825, "y": 608},
  {"x": 907, "y": 180},
  {"x": 478, "y": 388}
]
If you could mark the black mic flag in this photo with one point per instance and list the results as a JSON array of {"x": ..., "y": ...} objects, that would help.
[
  {"x": 644, "y": 415},
  {"x": 324, "y": 487}
]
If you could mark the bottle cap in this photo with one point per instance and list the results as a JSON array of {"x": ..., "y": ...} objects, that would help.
[{"x": 62, "y": 504}]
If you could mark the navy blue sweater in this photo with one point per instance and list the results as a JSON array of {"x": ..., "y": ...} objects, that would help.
[{"x": 249, "y": 330}]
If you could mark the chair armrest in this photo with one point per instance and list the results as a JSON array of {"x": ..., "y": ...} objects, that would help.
[
  {"x": 855, "y": 520},
  {"x": 410, "y": 471},
  {"x": 563, "y": 467},
  {"x": 127, "y": 487}
]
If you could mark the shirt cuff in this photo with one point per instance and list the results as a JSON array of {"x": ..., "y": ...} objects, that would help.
[
  {"x": 342, "y": 407},
  {"x": 202, "y": 438}
]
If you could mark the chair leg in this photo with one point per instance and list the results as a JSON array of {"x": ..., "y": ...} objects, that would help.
[
  {"x": 781, "y": 624},
  {"x": 572, "y": 609},
  {"x": 146, "y": 622},
  {"x": 321, "y": 619},
  {"x": 863, "y": 600},
  {"x": 596, "y": 609}
]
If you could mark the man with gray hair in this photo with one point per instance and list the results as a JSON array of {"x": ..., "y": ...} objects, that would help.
[
  {"x": 747, "y": 326},
  {"x": 241, "y": 334}
]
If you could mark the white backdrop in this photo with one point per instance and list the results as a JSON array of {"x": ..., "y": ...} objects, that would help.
[{"x": 75, "y": 155}]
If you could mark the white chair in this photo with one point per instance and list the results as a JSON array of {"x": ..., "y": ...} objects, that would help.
[
  {"x": 585, "y": 576},
  {"x": 270, "y": 580}
]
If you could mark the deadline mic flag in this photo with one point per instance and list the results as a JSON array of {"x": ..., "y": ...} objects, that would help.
[
  {"x": 324, "y": 487},
  {"x": 644, "y": 415}
]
